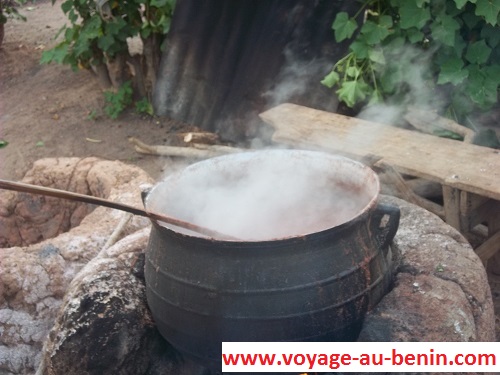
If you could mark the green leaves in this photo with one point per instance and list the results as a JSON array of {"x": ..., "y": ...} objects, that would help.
[
  {"x": 444, "y": 30},
  {"x": 66, "y": 6},
  {"x": 360, "y": 48},
  {"x": 460, "y": 37},
  {"x": 413, "y": 16},
  {"x": 92, "y": 28},
  {"x": 158, "y": 3},
  {"x": 452, "y": 72},
  {"x": 118, "y": 101},
  {"x": 491, "y": 35},
  {"x": 375, "y": 33},
  {"x": 478, "y": 52},
  {"x": 481, "y": 88},
  {"x": 145, "y": 107},
  {"x": 344, "y": 26},
  {"x": 376, "y": 56},
  {"x": 421, "y": 3},
  {"x": 349, "y": 76},
  {"x": 488, "y": 9},
  {"x": 414, "y": 35},
  {"x": 493, "y": 73},
  {"x": 95, "y": 35},
  {"x": 352, "y": 92},
  {"x": 57, "y": 54},
  {"x": 113, "y": 39},
  {"x": 460, "y": 3},
  {"x": 331, "y": 79},
  {"x": 8, "y": 10},
  {"x": 451, "y": 135}
]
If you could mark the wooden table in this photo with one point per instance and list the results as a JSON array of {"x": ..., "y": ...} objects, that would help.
[{"x": 469, "y": 174}]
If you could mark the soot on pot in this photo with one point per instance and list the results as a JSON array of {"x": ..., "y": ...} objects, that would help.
[{"x": 266, "y": 195}]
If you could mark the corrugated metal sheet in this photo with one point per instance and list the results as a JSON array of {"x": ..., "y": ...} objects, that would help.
[{"x": 227, "y": 60}]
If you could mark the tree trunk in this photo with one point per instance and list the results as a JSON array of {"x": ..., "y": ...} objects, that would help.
[
  {"x": 101, "y": 71},
  {"x": 2, "y": 32},
  {"x": 151, "y": 60},
  {"x": 227, "y": 60}
]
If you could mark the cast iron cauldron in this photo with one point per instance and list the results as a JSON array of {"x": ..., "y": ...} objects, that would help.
[{"x": 309, "y": 272}]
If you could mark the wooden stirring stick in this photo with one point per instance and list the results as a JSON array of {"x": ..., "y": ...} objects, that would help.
[{"x": 41, "y": 190}]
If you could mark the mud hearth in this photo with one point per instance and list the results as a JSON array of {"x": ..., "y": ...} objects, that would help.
[
  {"x": 440, "y": 293},
  {"x": 93, "y": 301},
  {"x": 44, "y": 243}
]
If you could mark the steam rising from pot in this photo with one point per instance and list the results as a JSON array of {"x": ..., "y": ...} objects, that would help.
[{"x": 267, "y": 195}]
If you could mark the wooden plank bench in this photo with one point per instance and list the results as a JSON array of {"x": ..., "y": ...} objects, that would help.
[{"x": 469, "y": 174}]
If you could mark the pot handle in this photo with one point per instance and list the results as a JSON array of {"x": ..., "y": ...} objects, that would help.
[
  {"x": 145, "y": 190},
  {"x": 384, "y": 224}
]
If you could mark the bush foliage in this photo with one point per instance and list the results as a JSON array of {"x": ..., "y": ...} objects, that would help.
[
  {"x": 98, "y": 34},
  {"x": 459, "y": 41}
]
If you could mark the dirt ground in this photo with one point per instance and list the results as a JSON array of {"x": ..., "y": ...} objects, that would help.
[{"x": 44, "y": 109}]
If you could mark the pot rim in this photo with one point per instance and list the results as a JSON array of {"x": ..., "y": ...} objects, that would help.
[{"x": 360, "y": 215}]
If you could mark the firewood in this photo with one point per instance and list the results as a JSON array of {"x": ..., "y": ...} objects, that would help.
[
  {"x": 115, "y": 236},
  {"x": 200, "y": 137},
  {"x": 197, "y": 151},
  {"x": 425, "y": 188},
  {"x": 401, "y": 190},
  {"x": 429, "y": 122}
]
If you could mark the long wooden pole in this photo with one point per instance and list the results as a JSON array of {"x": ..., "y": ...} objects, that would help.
[{"x": 63, "y": 194}]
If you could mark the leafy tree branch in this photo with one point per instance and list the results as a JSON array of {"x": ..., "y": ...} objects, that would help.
[
  {"x": 97, "y": 39},
  {"x": 459, "y": 41}
]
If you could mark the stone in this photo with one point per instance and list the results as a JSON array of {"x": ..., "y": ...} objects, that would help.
[
  {"x": 441, "y": 290},
  {"x": 106, "y": 326},
  {"x": 45, "y": 242},
  {"x": 440, "y": 293},
  {"x": 28, "y": 219}
]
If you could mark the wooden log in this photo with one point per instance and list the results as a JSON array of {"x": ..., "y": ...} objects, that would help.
[
  {"x": 200, "y": 137},
  {"x": 196, "y": 151},
  {"x": 401, "y": 190},
  {"x": 429, "y": 122},
  {"x": 425, "y": 188},
  {"x": 488, "y": 249},
  {"x": 188, "y": 138}
]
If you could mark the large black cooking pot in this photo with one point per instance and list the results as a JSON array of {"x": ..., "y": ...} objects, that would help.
[{"x": 309, "y": 263}]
